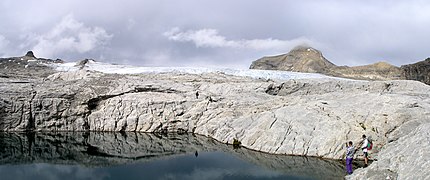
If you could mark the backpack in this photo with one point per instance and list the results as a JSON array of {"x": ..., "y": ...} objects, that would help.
[{"x": 369, "y": 144}]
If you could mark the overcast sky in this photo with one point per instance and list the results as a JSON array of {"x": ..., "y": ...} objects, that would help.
[{"x": 219, "y": 33}]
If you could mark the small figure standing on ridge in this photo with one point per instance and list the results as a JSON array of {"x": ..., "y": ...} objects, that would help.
[
  {"x": 197, "y": 94},
  {"x": 349, "y": 156},
  {"x": 364, "y": 146}
]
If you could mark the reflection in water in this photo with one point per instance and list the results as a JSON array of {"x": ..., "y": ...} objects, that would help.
[{"x": 80, "y": 155}]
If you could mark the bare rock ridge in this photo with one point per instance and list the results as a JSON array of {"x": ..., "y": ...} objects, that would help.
[
  {"x": 27, "y": 66},
  {"x": 308, "y": 59},
  {"x": 307, "y": 117},
  {"x": 300, "y": 59},
  {"x": 419, "y": 71}
]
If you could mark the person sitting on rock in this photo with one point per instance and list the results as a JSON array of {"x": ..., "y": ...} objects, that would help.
[{"x": 349, "y": 156}]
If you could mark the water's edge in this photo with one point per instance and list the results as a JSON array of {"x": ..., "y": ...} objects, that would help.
[{"x": 102, "y": 149}]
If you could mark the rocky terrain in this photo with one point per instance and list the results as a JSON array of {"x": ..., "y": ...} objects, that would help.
[
  {"x": 308, "y": 117},
  {"x": 419, "y": 71},
  {"x": 308, "y": 59},
  {"x": 406, "y": 158},
  {"x": 26, "y": 67}
]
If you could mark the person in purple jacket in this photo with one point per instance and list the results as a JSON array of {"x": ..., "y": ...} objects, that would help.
[{"x": 349, "y": 156}]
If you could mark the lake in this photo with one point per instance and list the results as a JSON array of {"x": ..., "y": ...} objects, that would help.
[{"x": 83, "y": 155}]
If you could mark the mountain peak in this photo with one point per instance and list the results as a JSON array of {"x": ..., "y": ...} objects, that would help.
[
  {"x": 382, "y": 65},
  {"x": 300, "y": 59},
  {"x": 30, "y": 54},
  {"x": 304, "y": 48}
]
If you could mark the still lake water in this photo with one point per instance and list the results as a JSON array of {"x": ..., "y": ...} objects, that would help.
[{"x": 147, "y": 156}]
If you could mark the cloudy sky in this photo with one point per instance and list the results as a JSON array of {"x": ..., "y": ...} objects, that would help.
[{"x": 216, "y": 33}]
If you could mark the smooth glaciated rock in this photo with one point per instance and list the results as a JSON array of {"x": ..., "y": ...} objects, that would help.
[
  {"x": 406, "y": 158},
  {"x": 309, "y": 117},
  {"x": 300, "y": 117}
]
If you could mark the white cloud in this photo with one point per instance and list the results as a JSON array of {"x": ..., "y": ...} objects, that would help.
[
  {"x": 154, "y": 58},
  {"x": 201, "y": 38},
  {"x": 131, "y": 23},
  {"x": 3, "y": 45},
  {"x": 69, "y": 36},
  {"x": 211, "y": 38}
]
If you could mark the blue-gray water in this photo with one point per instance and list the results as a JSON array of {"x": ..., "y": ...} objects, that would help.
[{"x": 147, "y": 156}]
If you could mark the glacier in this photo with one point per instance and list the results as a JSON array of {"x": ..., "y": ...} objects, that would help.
[{"x": 128, "y": 69}]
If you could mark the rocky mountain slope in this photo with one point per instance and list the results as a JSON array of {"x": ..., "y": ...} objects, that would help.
[
  {"x": 300, "y": 59},
  {"x": 376, "y": 71},
  {"x": 309, "y": 117},
  {"x": 419, "y": 71},
  {"x": 307, "y": 59},
  {"x": 25, "y": 67}
]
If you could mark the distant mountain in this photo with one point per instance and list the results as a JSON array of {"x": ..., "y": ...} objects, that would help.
[
  {"x": 300, "y": 59},
  {"x": 310, "y": 60},
  {"x": 376, "y": 71},
  {"x": 28, "y": 66}
]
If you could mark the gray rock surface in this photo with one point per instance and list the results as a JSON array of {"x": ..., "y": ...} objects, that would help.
[
  {"x": 406, "y": 158},
  {"x": 309, "y": 117}
]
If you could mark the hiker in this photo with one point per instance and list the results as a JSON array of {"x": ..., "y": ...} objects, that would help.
[
  {"x": 349, "y": 156},
  {"x": 197, "y": 95},
  {"x": 364, "y": 144}
]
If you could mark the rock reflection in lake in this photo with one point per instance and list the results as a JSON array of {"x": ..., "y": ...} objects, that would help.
[{"x": 80, "y": 155}]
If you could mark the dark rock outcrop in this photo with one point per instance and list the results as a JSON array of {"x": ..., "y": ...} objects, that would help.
[
  {"x": 419, "y": 71},
  {"x": 83, "y": 63},
  {"x": 30, "y": 54}
]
